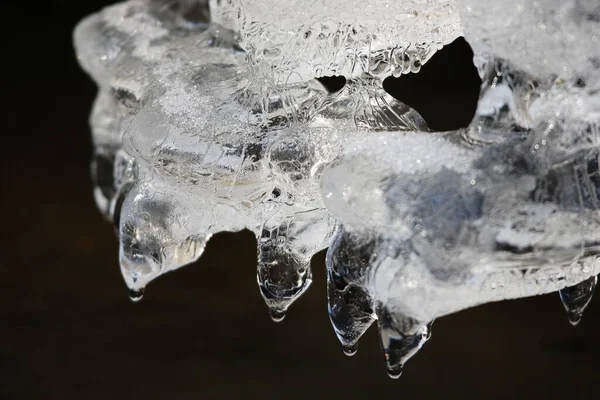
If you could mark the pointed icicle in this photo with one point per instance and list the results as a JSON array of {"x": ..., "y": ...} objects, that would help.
[
  {"x": 283, "y": 275},
  {"x": 400, "y": 338},
  {"x": 350, "y": 314},
  {"x": 576, "y": 298},
  {"x": 286, "y": 244},
  {"x": 349, "y": 305}
]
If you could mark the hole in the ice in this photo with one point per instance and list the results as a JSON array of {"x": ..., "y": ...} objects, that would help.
[
  {"x": 511, "y": 248},
  {"x": 276, "y": 192},
  {"x": 445, "y": 91},
  {"x": 333, "y": 83}
]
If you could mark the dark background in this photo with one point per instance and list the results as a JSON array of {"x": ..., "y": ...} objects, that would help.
[{"x": 69, "y": 331}]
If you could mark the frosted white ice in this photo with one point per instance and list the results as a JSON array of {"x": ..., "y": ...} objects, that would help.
[{"x": 541, "y": 37}]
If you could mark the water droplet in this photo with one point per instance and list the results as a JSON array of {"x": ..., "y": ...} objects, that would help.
[
  {"x": 576, "y": 298},
  {"x": 395, "y": 371},
  {"x": 277, "y": 315},
  {"x": 574, "y": 317},
  {"x": 350, "y": 349},
  {"x": 136, "y": 294}
]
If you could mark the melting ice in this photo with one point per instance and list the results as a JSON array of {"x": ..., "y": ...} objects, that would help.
[{"x": 209, "y": 118}]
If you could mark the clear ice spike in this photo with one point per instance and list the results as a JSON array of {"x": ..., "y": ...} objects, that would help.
[
  {"x": 349, "y": 304},
  {"x": 349, "y": 312},
  {"x": 576, "y": 298},
  {"x": 282, "y": 275},
  {"x": 154, "y": 238},
  {"x": 400, "y": 338},
  {"x": 286, "y": 242}
]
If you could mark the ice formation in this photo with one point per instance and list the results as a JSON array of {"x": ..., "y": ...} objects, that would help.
[{"x": 209, "y": 118}]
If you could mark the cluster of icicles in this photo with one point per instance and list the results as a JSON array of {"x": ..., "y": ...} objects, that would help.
[{"x": 207, "y": 125}]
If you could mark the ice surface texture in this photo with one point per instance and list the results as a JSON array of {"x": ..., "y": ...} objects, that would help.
[
  {"x": 302, "y": 40},
  {"x": 209, "y": 119}
]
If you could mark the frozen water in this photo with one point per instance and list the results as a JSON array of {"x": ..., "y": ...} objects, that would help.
[
  {"x": 541, "y": 74},
  {"x": 302, "y": 40},
  {"x": 576, "y": 298},
  {"x": 452, "y": 226},
  {"x": 540, "y": 61},
  {"x": 542, "y": 38},
  {"x": 209, "y": 118},
  {"x": 189, "y": 148}
]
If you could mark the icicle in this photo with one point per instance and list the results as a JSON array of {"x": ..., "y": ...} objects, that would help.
[
  {"x": 350, "y": 310},
  {"x": 286, "y": 244},
  {"x": 150, "y": 244},
  {"x": 401, "y": 338},
  {"x": 350, "y": 314},
  {"x": 576, "y": 298},
  {"x": 282, "y": 275}
]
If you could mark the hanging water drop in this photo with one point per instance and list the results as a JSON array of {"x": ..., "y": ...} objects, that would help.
[
  {"x": 350, "y": 349},
  {"x": 576, "y": 298},
  {"x": 277, "y": 315},
  {"x": 136, "y": 294}
]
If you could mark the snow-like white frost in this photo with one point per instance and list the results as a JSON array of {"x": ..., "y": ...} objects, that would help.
[
  {"x": 542, "y": 38},
  {"x": 209, "y": 118}
]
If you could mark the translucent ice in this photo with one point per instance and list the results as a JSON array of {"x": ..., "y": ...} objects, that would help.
[
  {"x": 576, "y": 298},
  {"x": 188, "y": 147},
  {"x": 541, "y": 74},
  {"x": 302, "y": 40},
  {"x": 209, "y": 118}
]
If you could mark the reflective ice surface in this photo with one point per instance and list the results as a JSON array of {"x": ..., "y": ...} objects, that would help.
[{"x": 209, "y": 118}]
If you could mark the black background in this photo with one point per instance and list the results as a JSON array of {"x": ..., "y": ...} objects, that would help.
[{"x": 69, "y": 331}]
